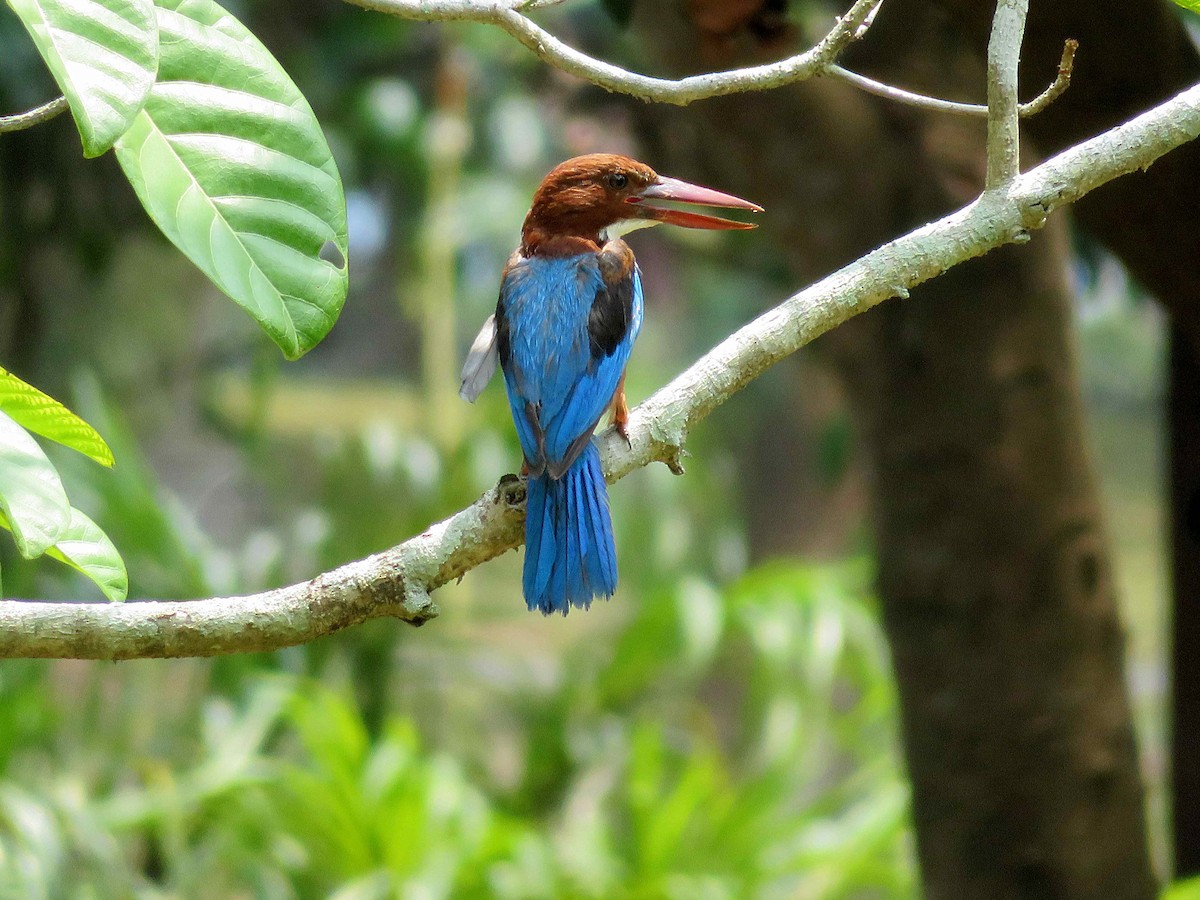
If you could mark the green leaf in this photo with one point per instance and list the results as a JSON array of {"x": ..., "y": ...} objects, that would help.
[
  {"x": 102, "y": 53},
  {"x": 42, "y": 414},
  {"x": 87, "y": 549},
  {"x": 230, "y": 162},
  {"x": 1190, "y": 5},
  {"x": 1189, "y": 889},
  {"x": 31, "y": 494}
]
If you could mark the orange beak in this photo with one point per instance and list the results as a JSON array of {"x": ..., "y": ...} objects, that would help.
[{"x": 681, "y": 192}]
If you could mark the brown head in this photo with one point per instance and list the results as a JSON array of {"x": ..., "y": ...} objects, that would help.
[{"x": 583, "y": 196}]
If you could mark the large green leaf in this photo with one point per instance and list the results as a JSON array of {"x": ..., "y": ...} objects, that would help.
[
  {"x": 32, "y": 497},
  {"x": 102, "y": 53},
  {"x": 87, "y": 549},
  {"x": 230, "y": 162},
  {"x": 42, "y": 414}
]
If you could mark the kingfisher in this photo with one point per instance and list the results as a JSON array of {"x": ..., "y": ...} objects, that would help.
[{"x": 569, "y": 311}]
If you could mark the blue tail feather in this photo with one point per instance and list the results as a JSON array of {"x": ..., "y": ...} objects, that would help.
[
  {"x": 570, "y": 557},
  {"x": 576, "y": 574},
  {"x": 537, "y": 566},
  {"x": 604, "y": 556},
  {"x": 599, "y": 555}
]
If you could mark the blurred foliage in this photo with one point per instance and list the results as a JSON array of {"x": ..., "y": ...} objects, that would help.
[{"x": 751, "y": 753}]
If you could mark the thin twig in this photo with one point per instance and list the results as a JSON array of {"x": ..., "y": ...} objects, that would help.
[
  {"x": 868, "y": 21},
  {"x": 35, "y": 116},
  {"x": 1061, "y": 82},
  {"x": 507, "y": 14},
  {"x": 1003, "y": 59},
  {"x": 398, "y": 582},
  {"x": 910, "y": 98}
]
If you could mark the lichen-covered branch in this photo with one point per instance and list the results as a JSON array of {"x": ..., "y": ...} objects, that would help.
[
  {"x": 393, "y": 583},
  {"x": 35, "y": 116},
  {"x": 1003, "y": 57},
  {"x": 398, "y": 582},
  {"x": 509, "y": 15}
]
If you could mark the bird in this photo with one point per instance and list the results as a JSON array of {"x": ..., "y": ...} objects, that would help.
[{"x": 569, "y": 311}]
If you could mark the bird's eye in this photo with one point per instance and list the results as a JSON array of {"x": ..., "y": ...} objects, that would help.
[{"x": 617, "y": 180}]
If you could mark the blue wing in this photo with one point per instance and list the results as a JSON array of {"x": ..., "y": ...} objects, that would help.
[{"x": 564, "y": 328}]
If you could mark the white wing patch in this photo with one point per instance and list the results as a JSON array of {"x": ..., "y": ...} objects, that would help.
[{"x": 482, "y": 361}]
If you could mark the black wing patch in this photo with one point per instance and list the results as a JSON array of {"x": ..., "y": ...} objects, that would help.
[
  {"x": 536, "y": 466},
  {"x": 503, "y": 345},
  {"x": 611, "y": 314}
]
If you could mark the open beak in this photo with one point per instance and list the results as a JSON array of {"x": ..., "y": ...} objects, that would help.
[{"x": 682, "y": 192}]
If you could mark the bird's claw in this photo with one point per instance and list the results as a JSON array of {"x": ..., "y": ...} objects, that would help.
[{"x": 623, "y": 430}]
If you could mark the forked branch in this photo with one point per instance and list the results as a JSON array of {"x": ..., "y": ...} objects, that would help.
[{"x": 1062, "y": 81}]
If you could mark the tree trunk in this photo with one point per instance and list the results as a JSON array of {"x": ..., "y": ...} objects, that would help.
[
  {"x": 998, "y": 598},
  {"x": 993, "y": 569}
]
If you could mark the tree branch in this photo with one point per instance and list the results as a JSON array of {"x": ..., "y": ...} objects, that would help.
[
  {"x": 398, "y": 582},
  {"x": 508, "y": 15},
  {"x": 1003, "y": 57},
  {"x": 35, "y": 116}
]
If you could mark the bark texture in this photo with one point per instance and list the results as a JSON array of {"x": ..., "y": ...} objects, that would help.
[{"x": 997, "y": 593}]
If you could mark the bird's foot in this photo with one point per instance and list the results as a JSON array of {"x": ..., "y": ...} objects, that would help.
[
  {"x": 623, "y": 430},
  {"x": 620, "y": 414}
]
